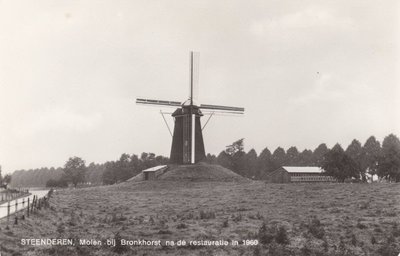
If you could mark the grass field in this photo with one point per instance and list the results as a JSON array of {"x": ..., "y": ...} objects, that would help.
[{"x": 300, "y": 219}]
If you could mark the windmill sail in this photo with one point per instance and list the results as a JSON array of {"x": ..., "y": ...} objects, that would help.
[
  {"x": 158, "y": 102},
  {"x": 233, "y": 110},
  {"x": 194, "y": 77},
  {"x": 193, "y": 91}
]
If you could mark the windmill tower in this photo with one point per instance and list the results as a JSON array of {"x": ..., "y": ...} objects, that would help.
[{"x": 187, "y": 140}]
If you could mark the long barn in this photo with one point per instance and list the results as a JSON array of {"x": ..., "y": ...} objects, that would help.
[{"x": 296, "y": 174}]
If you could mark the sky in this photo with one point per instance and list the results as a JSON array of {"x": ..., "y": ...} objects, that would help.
[{"x": 307, "y": 72}]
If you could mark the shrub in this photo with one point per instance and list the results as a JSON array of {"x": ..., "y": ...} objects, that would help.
[
  {"x": 257, "y": 251},
  {"x": 237, "y": 218},
  {"x": 315, "y": 228},
  {"x": 360, "y": 225},
  {"x": 395, "y": 230},
  {"x": 225, "y": 224},
  {"x": 265, "y": 234},
  {"x": 281, "y": 236},
  {"x": 325, "y": 245},
  {"x": 181, "y": 226},
  {"x": 119, "y": 248},
  {"x": 268, "y": 234},
  {"x": 61, "y": 183},
  {"x": 60, "y": 228},
  {"x": 373, "y": 240},
  {"x": 353, "y": 239},
  {"x": 165, "y": 232},
  {"x": 207, "y": 215},
  {"x": 305, "y": 250},
  {"x": 388, "y": 248},
  {"x": 363, "y": 205},
  {"x": 190, "y": 216}
]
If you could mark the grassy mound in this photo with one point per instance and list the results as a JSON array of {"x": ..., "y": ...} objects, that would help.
[{"x": 200, "y": 172}]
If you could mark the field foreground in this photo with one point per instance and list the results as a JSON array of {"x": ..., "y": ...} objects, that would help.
[{"x": 300, "y": 219}]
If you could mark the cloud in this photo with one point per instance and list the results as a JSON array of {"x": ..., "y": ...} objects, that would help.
[
  {"x": 311, "y": 17},
  {"x": 61, "y": 119},
  {"x": 326, "y": 88}
]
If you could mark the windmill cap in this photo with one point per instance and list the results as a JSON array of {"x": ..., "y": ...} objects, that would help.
[{"x": 187, "y": 103}]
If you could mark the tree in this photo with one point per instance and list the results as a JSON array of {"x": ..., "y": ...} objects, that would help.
[
  {"x": 306, "y": 158},
  {"x": 128, "y": 166},
  {"x": 354, "y": 151},
  {"x": 370, "y": 155},
  {"x": 236, "y": 156},
  {"x": 4, "y": 181},
  {"x": 211, "y": 159},
  {"x": 224, "y": 160},
  {"x": 110, "y": 174},
  {"x": 292, "y": 156},
  {"x": 279, "y": 157},
  {"x": 264, "y": 159},
  {"x": 264, "y": 163},
  {"x": 339, "y": 165},
  {"x": 124, "y": 170},
  {"x": 251, "y": 163},
  {"x": 61, "y": 183},
  {"x": 7, "y": 179},
  {"x": 74, "y": 170},
  {"x": 236, "y": 147},
  {"x": 319, "y": 154},
  {"x": 389, "y": 161}
]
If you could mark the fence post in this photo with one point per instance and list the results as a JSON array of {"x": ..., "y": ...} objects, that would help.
[
  {"x": 16, "y": 212},
  {"x": 35, "y": 207},
  {"x": 8, "y": 212},
  {"x": 22, "y": 209},
  {"x": 33, "y": 204},
  {"x": 27, "y": 212}
]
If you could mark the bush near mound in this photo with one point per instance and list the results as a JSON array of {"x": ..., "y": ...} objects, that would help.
[{"x": 200, "y": 172}]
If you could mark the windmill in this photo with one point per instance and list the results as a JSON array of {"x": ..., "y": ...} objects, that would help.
[{"x": 187, "y": 139}]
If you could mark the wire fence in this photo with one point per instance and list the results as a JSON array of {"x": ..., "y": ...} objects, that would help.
[
  {"x": 24, "y": 207},
  {"x": 12, "y": 194}
]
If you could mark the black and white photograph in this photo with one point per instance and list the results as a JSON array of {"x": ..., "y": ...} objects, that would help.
[{"x": 199, "y": 127}]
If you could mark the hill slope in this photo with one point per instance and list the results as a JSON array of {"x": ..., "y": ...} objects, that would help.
[{"x": 200, "y": 172}]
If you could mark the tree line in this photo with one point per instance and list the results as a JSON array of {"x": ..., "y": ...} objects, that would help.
[
  {"x": 356, "y": 161},
  {"x": 4, "y": 181},
  {"x": 75, "y": 171},
  {"x": 127, "y": 166}
]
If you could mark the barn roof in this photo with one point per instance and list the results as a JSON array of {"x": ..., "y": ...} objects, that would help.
[
  {"x": 303, "y": 169},
  {"x": 155, "y": 168}
]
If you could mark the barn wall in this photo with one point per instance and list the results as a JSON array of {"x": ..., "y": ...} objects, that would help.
[
  {"x": 149, "y": 175},
  {"x": 279, "y": 176},
  {"x": 311, "y": 177}
]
